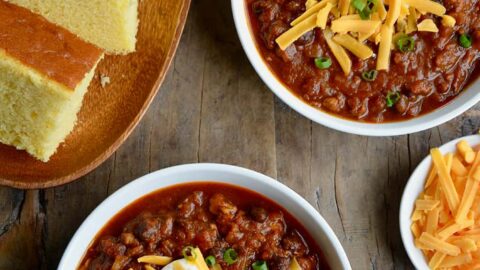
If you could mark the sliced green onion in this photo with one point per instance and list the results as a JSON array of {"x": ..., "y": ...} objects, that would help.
[
  {"x": 359, "y": 4},
  {"x": 370, "y": 76},
  {"x": 405, "y": 43},
  {"x": 368, "y": 10},
  {"x": 364, "y": 14},
  {"x": 392, "y": 98},
  {"x": 188, "y": 253},
  {"x": 210, "y": 260},
  {"x": 259, "y": 265},
  {"x": 465, "y": 41},
  {"x": 230, "y": 256},
  {"x": 323, "y": 62},
  {"x": 365, "y": 8}
]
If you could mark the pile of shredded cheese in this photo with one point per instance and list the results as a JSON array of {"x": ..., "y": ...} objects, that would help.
[
  {"x": 348, "y": 31},
  {"x": 446, "y": 219}
]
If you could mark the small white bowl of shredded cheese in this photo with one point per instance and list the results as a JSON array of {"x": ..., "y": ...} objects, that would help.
[{"x": 416, "y": 186}]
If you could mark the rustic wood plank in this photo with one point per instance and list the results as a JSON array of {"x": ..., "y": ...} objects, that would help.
[
  {"x": 360, "y": 171},
  {"x": 293, "y": 150},
  {"x": 398, "y": 169},
  {"x": 175, "y": 116},
  {"x": 237, "y": 125},
  {"x": 347, "y": 160},
  {"x": 10, "y": 207},
  {"x": 67, "y": 206},
  {"x": 21, "y": 244},
  {"x": 342, "y": 175}
]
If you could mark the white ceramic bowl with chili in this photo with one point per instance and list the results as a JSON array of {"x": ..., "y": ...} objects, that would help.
[
  {"x": 459, "y": 104},
  {"x": 414, "y": 187},
  {"x": 313, "y": 223}
]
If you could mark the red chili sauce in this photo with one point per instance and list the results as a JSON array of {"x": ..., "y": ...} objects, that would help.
[
  {"x": 431, "y": 75},
  {"x": 211, "y": 216}
]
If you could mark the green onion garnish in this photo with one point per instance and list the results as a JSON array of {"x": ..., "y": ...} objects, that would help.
[
  {"x": 370, "y": 76},
  {"x": 365, "y": 8},
  {"x": 210, "y": 260},
  {"x": 465, "y": 41},
  {"x": 405, "y": 43},
  {"x": 392, "y": 98},
  {"x": 323, "y": 62},
  {"x": 188, "y": 253},
  {"x": 259, "y": 265},
  {"x": 359, "y": 4},
  {"x": 230, "y": 256}
]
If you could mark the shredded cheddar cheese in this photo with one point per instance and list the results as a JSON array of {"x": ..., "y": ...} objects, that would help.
[
  {"x": 427, "y": 25},
  {"x": 322, "y": 16},
  {"x": 448, "y": 21},
  {"x": 148, "y": 267},
  {"x": 154, "y": 259},
  {"x": 297, "y": 31},
  {"x": 310, "y": 3},
  {"x": 446, "y": 219},
  {"x": 411, "y": 21},
  {"x": 433, "y": 242},
  {"x": 436, "y": 260},
  {"x": 389, "y": 18},
  {"x": 344, "y": 7},
  {"x": 359, "y": 49},
  {"x": 427, "y": 6},
  {"x": 385, "y": 48},
  {"x": 393, "y": 12},
  {"x": 294, "y": 265},
  {"x": 312, "y": 11},
  {"x": 339, "y": 52},
  {"x": 360, "y": 26},
  {"x": 382, "y": 11}
]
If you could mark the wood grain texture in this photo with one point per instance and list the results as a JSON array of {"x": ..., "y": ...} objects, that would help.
[
  {"x": 236, "y": 110},
  {"x": 214, "y": 108},
  {"x": 109, "y": 114}
]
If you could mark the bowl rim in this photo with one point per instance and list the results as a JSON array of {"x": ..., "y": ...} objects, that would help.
[
  {"x": 464, "y": 101},
  {"x": 149, "y": 183},
  {"x": 411, "y": 191}
]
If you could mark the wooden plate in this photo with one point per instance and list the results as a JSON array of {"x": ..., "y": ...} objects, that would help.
[{"x": 108, "y": 114}]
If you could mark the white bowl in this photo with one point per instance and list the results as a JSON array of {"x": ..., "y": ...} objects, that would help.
[
  {"x": 457, "y": 106},
  {"x": 284, "y": 196},
  {"x": 413, "y": 188}
]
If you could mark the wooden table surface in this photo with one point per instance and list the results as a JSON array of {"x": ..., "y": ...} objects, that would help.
[{"x": 214, "y": 108}]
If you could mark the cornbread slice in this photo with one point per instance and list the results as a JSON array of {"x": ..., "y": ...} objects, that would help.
[
  {"x": 44, "y": 73},
  {"x": 109, "y": 24}
]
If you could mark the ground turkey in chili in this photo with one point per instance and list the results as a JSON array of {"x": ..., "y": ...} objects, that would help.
[
  {"x": 428, "y": 77},
  {"x": 211, "y": 222}
]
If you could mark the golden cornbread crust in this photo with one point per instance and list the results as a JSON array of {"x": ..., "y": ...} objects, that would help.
[
  {"x": 51, "y": 50},
  {"x": 44, "y": 74},
  {"x": 36, "y": 114},
  {"x": 109, "y": 24}
]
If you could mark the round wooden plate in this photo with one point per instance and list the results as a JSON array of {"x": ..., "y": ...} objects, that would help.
[{"x": 108, "y": 114}]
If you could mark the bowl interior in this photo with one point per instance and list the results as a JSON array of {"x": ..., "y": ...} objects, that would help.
[
  {"x": 457, "y": 106},
  {"x": 413, "y": 188},
  {"x": 292, "y": 202}
]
